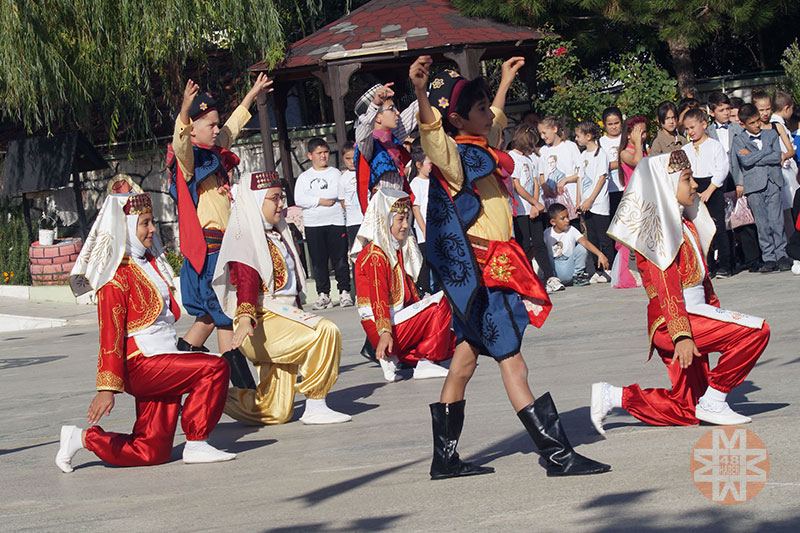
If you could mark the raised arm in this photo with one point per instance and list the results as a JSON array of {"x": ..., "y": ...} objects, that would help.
[
  {"x": 509, "y": 72},
  {"x": 241, "y": 115}
]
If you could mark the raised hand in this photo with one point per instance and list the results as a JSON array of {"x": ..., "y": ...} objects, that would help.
[
  {"x": 382, "y": 94},
  {"x": 510, "y": 68},
  {"x": 262, "y": 85},
  {"x": 190, "y": 92},
  {"x": 419, "y": 72}
]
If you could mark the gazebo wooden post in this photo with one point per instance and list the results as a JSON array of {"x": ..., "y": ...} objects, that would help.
[
  {"x": 339, "y": 85},
  {"x": 468, "y": 61},
  {"x": 279, "y": 109},
  {"x": 266, "y": 132}
]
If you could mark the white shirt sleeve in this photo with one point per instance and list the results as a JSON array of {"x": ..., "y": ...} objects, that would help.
[
  {"x": 302, "y": 192},
  {"x": 720, "y": 164}
]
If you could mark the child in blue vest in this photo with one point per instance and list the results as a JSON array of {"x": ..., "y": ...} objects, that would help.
[{"x": 493, "y": 291}]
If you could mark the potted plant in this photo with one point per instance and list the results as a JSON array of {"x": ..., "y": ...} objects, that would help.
[{"x": 47, "y": 229}]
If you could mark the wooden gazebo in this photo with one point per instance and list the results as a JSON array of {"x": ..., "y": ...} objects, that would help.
[{"x": 383, "y": 36}]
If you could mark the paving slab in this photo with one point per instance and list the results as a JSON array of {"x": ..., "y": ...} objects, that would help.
[{"x": 372, "y": 474}]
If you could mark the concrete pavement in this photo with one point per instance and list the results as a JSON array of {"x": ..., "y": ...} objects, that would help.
[{"x": 371, "y": 474}]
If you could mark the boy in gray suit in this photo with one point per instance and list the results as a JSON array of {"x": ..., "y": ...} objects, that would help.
[{"x": 758, "y": 173}]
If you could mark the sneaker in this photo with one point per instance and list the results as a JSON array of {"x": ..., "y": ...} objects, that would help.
[
  {"x": 600, "y": 405},
  {"x": 768, "y": 266},
  {"x": 723, "y": 273},
  {"x": 323, "y": 302},
  {"x": 345, "y": 300},
  {"x": 719, "y": 413},
  {"x": 580, "y": 280},
  {"x": 599, "y": 277},
  {"x": 201, "y": 452},
  {"x": 784, "y": 264},
  {"x": 427, "y": 369},
  {"x": 554, "y": 285},
  {"x": 796, "y": 268},
  {"x": 389, "y": 368}
]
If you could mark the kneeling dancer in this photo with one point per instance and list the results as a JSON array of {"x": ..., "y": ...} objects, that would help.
[
  {"x": 258, "y": 280},
  {"x": 492, "y": 288},
  {"x": 398, "y": 324},
  {"x": 662, "y": 218},
  {"x": 122, "y": 260}
]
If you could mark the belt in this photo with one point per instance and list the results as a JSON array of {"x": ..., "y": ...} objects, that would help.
[{"x": 213, "y": 238}]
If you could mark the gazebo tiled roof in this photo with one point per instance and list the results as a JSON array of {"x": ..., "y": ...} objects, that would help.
[{"x": 413, "y": 25}]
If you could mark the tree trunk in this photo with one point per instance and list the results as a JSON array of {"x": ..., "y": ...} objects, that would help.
[{"x": 684, "y": 68}]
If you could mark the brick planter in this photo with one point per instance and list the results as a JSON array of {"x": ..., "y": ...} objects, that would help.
[{"x": 51, "y": 265}]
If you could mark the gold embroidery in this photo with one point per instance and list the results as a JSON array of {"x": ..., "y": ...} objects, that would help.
[
  {"x": 134, "y": 354},
  {"x": 642, "y": 218},
  {"x": 246, "y": 309},
  {"x": 500, "y": 268},
  {"x": 144, "y": 299},
  {"x": 396, "y": 286},
  {"x": 383, "y": 325},
  {"x": 107, "y": 380},
  {"x": 117, "y": 312},
  {"x": 689, "y": 266},
  {"x": 279, "y": 274}
]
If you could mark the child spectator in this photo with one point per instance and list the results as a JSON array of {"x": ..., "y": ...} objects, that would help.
[
  {"x": 559, "y": 161},
  {"x": 668, "y": 138},
  {"x": 594, "y": 191},
  {"x": 317, "y": 192},
  {"x": 567, "y": 248},
  {"x": 612, "y": 123},
  {"x": 783, "y": 108},
  {"x": 527, "y": 204},
  {"x": 758, "y": 156},
  {"x": 736, "y": 105},
  {"x": 710, "y": 168},
  {"x": 420, "y": 172},
  {"x": 474, "y": 262},
  {"x": 632, "y": 146},
  {"x": 348, "y": 193},
  {"x": 684, "y": 106}
]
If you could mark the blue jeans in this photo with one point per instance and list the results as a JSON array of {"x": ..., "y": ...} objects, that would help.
[{"x": 567, "y": 268}]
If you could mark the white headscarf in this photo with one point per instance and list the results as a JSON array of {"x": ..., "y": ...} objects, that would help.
[
  {"x": 382, "y": 208},
  {"x": 649, "y": 217},
  {"x": 245, "y": 242},
  {"x": 113, "y": 236}
]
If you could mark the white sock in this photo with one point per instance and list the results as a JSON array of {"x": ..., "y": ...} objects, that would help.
[
  {"x": 615, "y": 395},
  {"x": 315, "y": 406},
  {"x": 75, "y": 441},
  {"x": 714, "y": 396},
  {"x": 194, "y": 445}
]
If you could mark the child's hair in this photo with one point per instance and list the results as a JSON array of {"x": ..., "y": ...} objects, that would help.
[
  {"x": 471, "y": 92},
  {"x": 588, "y": 127},
  {"x": 696, "y": 113},
  {"x": 315, "y": 143},
  {"x": 760, "y": 95},
  {"x": 613, "y": 110},
  {"x": 781, "y": 100},
  {"x": 717, "y": 98},
  {"x": 525, "y": 139},
  {"x": 747, "y": 111},
  {"x": 736, "y": 102},
  {"x": 552, "y": 121},
  {"x": 529, "y": 113},
  {"x": 664, "y": 108},
  {"x": 687, "y": 103},
  {"x": 417, "y": 157},
  {"x": 627, "y": 128},
  {"x": 555, "y": 209},
  {"x": 349, "y": 146}
]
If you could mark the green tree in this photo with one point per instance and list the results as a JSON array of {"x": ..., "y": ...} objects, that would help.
[
  {"x": 65, "y": 63},
  {"x": 791, "y": 64}
]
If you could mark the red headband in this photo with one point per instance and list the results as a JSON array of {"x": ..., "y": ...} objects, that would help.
[{"x": 454, "y": 96}]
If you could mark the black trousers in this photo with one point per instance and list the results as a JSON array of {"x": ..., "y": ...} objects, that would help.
[
  {"x": 614, "y": 199},
  {"x": 328, "y": 243},
  {"x": 749, "y": 250},
  {"x": 723, "y": 239},
  {"x": 596, "y": 227}
]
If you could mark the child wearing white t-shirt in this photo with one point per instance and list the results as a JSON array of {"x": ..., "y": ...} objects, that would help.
[
  {"x": 419, "y": 175},
  {"x": 612, "y": 123},
  {"x": 348, "y": 193},
  {"x": 594, "y": 193},
  {"x": 567, "y": 248},
  {"x": 559, "y": 161}
]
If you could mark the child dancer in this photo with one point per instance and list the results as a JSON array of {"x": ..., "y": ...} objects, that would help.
[
  {"x": 662, "y": 218},
  {"x": 492, "y": 289},
  {"x": 594, "y": 192}
]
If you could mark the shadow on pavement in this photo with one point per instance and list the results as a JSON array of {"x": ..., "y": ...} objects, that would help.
[
  {"x": 378, "y": 523},
  {"x": 5, "y": 364},
  {"x": 319, "y": 495},
  {"x": 7, "y": 451}
]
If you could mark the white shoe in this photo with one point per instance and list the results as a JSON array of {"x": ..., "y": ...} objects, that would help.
[
  {"x": 427, "y": 369},
  {"x": 389, "y": 367},
  {"x": 323, "y": 302},
  {"x": 600, "y": 405},
  {"x": 719, "y": 413},
  {"x": 796, "y": 267},
  {"x": 345, "y": 300},
  {"x": 67, "y": 449},
  {"x": 554, "y": 285},
  {"x": 599, "y": 277},
  {"x": 199, "y": 451},
  {"x": 326, "y": 416}
]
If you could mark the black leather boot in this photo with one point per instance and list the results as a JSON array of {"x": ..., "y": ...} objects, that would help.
[
  {"x": 184, "y": 346},
  {"x": 541, "y": 420},
  {"x": 368, "y": 351},
  {"x": 448, "y": 420},
  {"x": 240, "y": 371}
]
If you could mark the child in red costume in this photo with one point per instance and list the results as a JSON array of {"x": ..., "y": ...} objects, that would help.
[{"x": 660, "y": 217}]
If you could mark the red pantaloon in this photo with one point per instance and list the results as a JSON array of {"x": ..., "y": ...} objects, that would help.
[
  {"x": 426, "y": 335},
  {"x": 157, "y": 383},
  {"x": 740, "y": 347}
]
